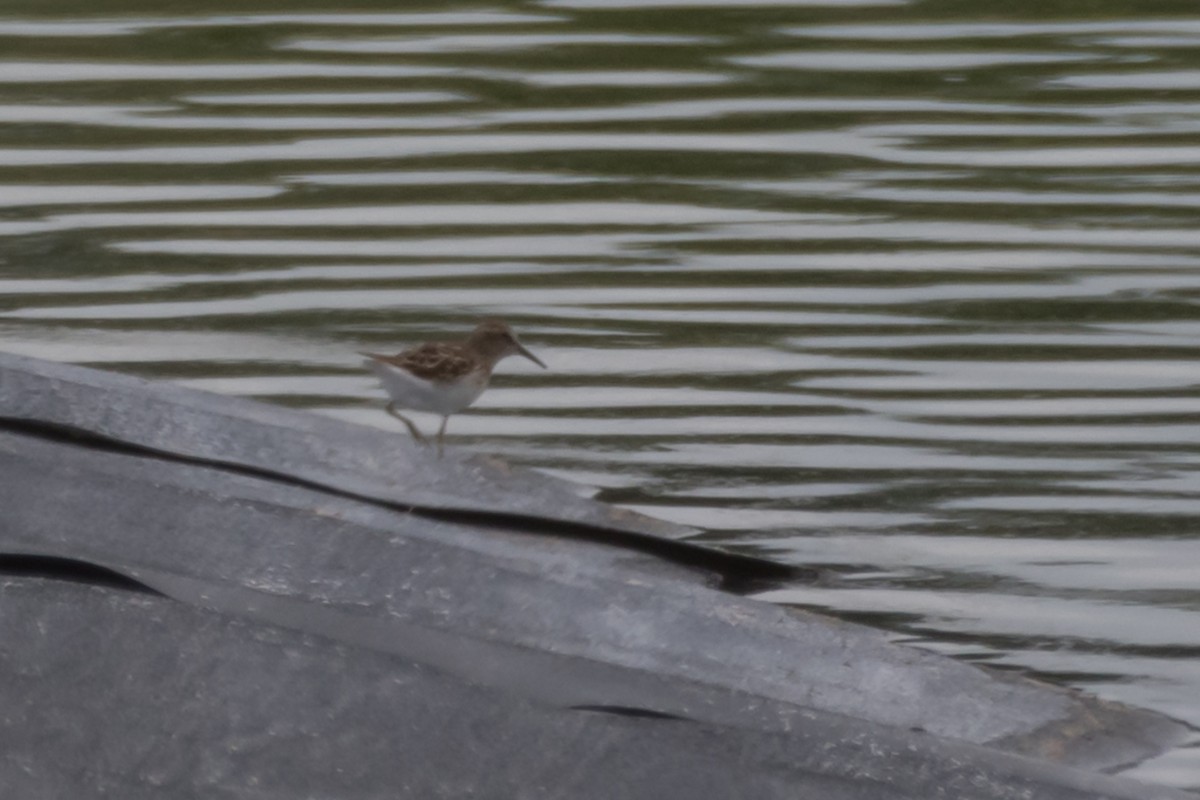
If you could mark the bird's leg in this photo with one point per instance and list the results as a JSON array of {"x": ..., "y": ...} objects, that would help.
[
  {"x": 441, "y": 437},
  {"x": 408, "y": 423}
]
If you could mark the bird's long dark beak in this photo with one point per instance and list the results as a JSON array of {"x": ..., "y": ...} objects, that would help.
[{"x": 521, "y": 349}]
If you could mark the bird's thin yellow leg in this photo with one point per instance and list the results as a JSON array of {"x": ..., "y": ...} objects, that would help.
[
  {"x": 416, "y": 433},
  {"x": 441, "y": 437}
]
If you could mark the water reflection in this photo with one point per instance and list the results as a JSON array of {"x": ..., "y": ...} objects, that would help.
[
  {"x": 965, "y": 31},
  {"x": 483, "y": 42},
  {"x": 326, "y": 98},
  {"x": 869, "y": 61},
  {"x": 909, "y": 296},
  {"x": 34, "y": 72}
]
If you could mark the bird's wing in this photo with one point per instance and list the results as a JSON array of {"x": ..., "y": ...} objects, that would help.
[{"x": 434, "y": 361}]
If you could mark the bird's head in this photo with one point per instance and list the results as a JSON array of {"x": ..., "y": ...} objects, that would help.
[{"x": 495, "y": 340}]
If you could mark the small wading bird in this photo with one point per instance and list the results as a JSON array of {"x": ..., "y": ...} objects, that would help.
[{"x": 445, "y": 377}]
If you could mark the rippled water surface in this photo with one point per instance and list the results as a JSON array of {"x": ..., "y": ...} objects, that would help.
[{"x": 899, "y": 289}]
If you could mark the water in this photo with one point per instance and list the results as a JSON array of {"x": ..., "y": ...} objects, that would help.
[{"x": 892, "y": 288}]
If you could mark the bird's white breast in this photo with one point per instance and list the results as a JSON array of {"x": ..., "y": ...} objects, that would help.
[{"x": 409, "y": 391}]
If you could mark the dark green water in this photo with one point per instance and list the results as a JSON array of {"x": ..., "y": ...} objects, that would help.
[{"x": 908, "y": 290}]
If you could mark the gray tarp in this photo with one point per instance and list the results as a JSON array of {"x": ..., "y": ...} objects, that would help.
[{"x": 302, "y": 560}]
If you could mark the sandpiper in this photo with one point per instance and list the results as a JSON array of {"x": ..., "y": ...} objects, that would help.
[{"x": 445, "y": 377}]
